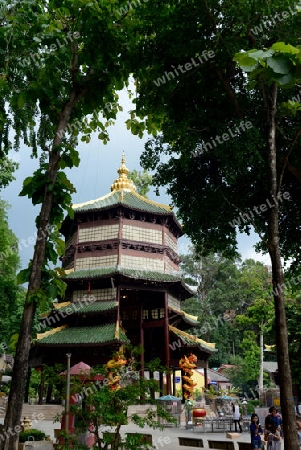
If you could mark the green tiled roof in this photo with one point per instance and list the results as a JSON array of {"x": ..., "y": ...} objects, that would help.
[
  {"x": 80, "y": 308},
  {"x": 130, "y": 273},
  {"x": 84, "y": 336},
  {"x": 126, "y": 198}
]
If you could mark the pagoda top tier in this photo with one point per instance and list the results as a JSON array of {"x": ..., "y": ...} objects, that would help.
[{"x": 123, "y": 192}]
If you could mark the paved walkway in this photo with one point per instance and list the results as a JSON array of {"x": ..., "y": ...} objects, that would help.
[{"x": 165, "y": 440}]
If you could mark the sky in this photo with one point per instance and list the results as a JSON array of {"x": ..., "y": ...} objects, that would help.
[{"x": 92, "y": 179}]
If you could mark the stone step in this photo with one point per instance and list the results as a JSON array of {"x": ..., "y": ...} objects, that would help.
[
  {"x": 34, "y": 412},
  {"x": 41, "y": 412}
]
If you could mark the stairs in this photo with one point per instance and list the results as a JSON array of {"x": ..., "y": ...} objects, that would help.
[
  {"x": 34, "y": 412},
  {"x": 41, "y": 412}
]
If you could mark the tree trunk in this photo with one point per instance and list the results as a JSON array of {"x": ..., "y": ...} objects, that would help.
[
  {"x": 41, "y": 387},
  {"x": 286, "y": 392},
  {"x": 260, "y": 379},
  {"x": 26, "y": 395},
  {"x": 16, "y": 394},
  {"x": 49, "y": 393}
]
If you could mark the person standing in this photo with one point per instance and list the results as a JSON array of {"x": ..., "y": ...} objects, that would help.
[
  {"x": 256, "y": 432},
  {"x": 298, "y": 424},
  {"x": 236, "y": 417},
  {"x": 272, "y": 434},
  {"x": 276, "y": 418}
]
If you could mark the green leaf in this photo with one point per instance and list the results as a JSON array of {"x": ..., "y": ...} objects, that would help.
[
  {"x": 286, "y": 81},
  {"x": 279, "y": 64},
  {"x": 60, "y": 246},
  {"x": 258, "y": 54},
  {"x": 285, "y": 48},
  {"x": 23, "y": 275},
  {"x": 246, "y": 62},
  {"x": 51, "y": 291}
]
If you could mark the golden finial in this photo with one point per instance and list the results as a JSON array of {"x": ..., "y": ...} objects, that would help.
[{"x": 123, "y": 182}]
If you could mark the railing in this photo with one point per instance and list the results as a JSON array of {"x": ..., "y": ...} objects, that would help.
[{"x": 215, "y": 425}]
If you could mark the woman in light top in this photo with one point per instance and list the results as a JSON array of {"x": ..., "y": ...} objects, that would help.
[{"x": 272, "y": 434}]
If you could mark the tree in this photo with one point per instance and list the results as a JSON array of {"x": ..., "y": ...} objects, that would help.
[
  {"x": 241, "y": 375},
  {"x": 59, "y": 81},
  {"x": 11, "y": 295},
  {"x": 105, "y": 399},
  {"x": 232, "y": 160},
  {"x": 142, "y": 181},
  {"x": 225, "y": 290},
  {"x": 8, "y": 166},
  {"x": 293, "y": 313},
  {"x": 258, "y": 316}
]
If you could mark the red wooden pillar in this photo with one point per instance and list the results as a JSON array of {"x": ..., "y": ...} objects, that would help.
[{"x": 167, "y": 348}]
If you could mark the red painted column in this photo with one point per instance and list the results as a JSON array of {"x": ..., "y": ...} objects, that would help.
[{"x": 167, "y": 348}]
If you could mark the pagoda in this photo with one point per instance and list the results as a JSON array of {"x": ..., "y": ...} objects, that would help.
[{"x": 124, "y": 285}]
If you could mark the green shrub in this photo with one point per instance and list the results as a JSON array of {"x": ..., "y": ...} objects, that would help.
[
  {"x": 35, "y": 435},
  {"x": 252, "y": 404}
]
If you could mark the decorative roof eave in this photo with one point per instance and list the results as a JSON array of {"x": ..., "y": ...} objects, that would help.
[
  {"x": 78, "y": 308},
  {"x": 121, "y": 198},
  {"x": 193, "y": 341},
  {"x": 145, "y": 275},
  {"x": 56, "y": 306},
  {"x": 188, "y": 318},
  {"x": 50, "y": 332},
  {"x": 83, "y": 336}
]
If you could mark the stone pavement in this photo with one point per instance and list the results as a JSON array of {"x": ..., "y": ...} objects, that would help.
[{"x": 166, "y": 439}]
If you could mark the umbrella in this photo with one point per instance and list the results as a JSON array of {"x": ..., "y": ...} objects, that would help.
[
  {"x": 83, "y": 370},
  {"x": 79, "y": 369},
  {"x": 227, "y": 397},
  {"x": 169, "y": 397}
]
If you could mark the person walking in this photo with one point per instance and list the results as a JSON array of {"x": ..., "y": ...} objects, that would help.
[
  {"x": 256, "y": 432},
  {"x": 236, "y": 417}
]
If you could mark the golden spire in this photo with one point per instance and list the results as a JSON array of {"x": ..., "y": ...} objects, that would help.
[{"x": 123, "y": 182}]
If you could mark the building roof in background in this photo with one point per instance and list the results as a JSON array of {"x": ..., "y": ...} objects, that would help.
[
  {"x": 215, "y": 376},
  {"x": 224, "y": 367},
  {"x": 270, "y": 366}
]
